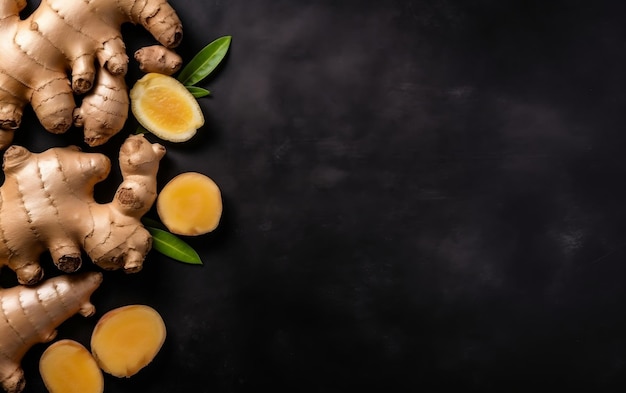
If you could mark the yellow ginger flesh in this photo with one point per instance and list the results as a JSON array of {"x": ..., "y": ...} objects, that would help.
[
  {"x": 166, "y": 108},
  {"x": 190, "y": 204},
  {"x": 68, "y": 367},
  {"x": 127, "y": 339}
]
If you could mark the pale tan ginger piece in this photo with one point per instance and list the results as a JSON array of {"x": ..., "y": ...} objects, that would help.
[
  {"x": 159, "y": 59},
  {"x": 126, "y": 339},
  {"x": 84, "y": 37},
  {"x": 190, "y": 204},
  {"x": 67, "y": 366},
  {"x": 104, "y": 110},
  {"x": 47, "y": 203},
  {"x": 30, "y": 315}
]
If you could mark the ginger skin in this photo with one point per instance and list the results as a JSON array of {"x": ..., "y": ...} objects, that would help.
[
  {"x": 127, "y": 339},
  {"x": 84, "y": 37},
  {"x": 30, "y": 315},
  {"x": 47, "y": 203},
  {"x": 159, "y": 59}
]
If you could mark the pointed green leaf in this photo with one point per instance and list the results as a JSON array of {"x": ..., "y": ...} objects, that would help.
[
  {"x": 150, "y": 222},
  {"x": 172, "y": 246},
  {"x": 198, "y": 92},
  {"x": 140, "y": 130},
  {"x": 205, "y": 61}
]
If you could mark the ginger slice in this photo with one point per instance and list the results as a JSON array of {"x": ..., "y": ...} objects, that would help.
[
  {"x": 127, "y": 339},
  {"x": 190, "y": 204},
  {"x": 164, "y": 106},
  {"x": 67, "y": 367}
]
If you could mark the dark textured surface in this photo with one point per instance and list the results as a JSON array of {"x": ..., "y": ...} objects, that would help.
[{"x": 419, "y": 196}]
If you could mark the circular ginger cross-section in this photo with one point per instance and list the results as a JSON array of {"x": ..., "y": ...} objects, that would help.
[
  {"x": 127, "y": 338},
  {"x": 66, "y": 366},
  {"x": 190, "y": 204}
]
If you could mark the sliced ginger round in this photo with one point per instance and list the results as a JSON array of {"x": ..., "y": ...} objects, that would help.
[
  {"x": 127, "y": 339},
  {"x": 68, "y": 367},
  {"x": 190, "y": 204},
  {"x": 164, "y": 106}
]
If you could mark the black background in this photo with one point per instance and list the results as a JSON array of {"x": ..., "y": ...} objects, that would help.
[{"x": 418, "y": 196}]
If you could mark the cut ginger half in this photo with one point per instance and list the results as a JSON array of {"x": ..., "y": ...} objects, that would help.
[
  {"x": 164, "y": 106},
  {"x": 190, "y": 204},
  {"x": 126, "y": 339},
  {"x": 68, "y": 367}
]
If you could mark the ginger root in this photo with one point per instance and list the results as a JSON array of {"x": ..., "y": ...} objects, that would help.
[
  {"x": 127, "y": 339},
  {"x": 159, "y": 59},
  {"x": 68, "y": 367},
  {"x": 190, "y": 204},
  {"x": 47, "y": 203},
  {"x": 30, "y": 315},
  {"x": 84, "y": 37}
]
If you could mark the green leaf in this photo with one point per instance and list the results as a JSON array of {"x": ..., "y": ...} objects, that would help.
[
  {"x": 172, "y": 246},
  {"x": 205, "y": 61},
  {"x": 140, "y": 130},
  {"x": 198, "y": 92},
  {"x": 150, "y": 222}
]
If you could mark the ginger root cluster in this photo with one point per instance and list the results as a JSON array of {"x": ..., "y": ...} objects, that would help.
[
  {"x": 84, "y": 37},
  {"x": 47, "y": 204}
]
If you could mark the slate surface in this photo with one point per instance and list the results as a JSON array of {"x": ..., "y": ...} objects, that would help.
[{"x": 419, "y": 195}]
